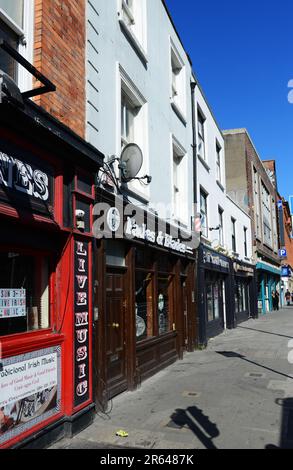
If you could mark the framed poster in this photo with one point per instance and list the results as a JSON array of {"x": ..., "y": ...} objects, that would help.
[{"x": 30, "y": 391}]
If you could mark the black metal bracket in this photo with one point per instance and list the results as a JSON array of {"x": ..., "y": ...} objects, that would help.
[{"x": 48, "y": 86}]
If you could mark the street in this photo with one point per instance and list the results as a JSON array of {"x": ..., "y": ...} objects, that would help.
[{"x": 236, "y": 394}]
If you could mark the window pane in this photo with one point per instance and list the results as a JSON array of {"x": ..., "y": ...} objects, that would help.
[
  {"x": 7, "y": 64},
  {"x": 216, "y": 301},
  {"x": 24, "y": 293},
  {"x": 210, "y": 303},
  {"x": 163, "y": 304},
  {"x": 143, "y": 304},
  {"x": 13, "y": 9}
]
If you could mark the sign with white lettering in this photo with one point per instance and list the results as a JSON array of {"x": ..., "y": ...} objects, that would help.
[
  {"x": 159, "y": 238},
  {"x": 215, "y": 260},
  {"x": 20, "y": 176},
  {"x": 81, "y": 312},
  {"x": 25, "y": 179},
  {"x": 283, "y": 253},
  {"x": 12, "y": 303},
  {"x": 30, "y": 391}
]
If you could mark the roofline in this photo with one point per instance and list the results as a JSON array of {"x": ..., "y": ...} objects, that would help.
[
  {"x": 243, "y": 130},
  {"x": 239, "y": 207}
]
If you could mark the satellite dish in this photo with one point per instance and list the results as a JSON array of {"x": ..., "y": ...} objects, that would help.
[{"x": 130, "y": 161}]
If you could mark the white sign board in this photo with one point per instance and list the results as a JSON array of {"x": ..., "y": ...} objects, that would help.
[
  {"x": 12, "y": 303},
  {"x": 23, "y": 379}
]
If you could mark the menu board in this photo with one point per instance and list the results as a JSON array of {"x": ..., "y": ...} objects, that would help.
[{"x": 12, "y": 303}]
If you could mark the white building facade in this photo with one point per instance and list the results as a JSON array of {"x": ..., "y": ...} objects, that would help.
[{"x": 139, "y": 91}]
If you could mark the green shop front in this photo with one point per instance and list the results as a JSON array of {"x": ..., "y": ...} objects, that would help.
[{"x": 268, "y": 281}]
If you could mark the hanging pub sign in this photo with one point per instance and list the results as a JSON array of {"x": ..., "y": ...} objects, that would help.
[
  {"x": 81, "y": 322},
  {"x": 25, "y": 181}
]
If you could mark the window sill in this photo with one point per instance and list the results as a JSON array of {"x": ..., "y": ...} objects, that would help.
[
  {"x": 204, "y": 163},
  {"x": 134, "y": 41},
  {"x": 178, "y": 112},
  {"x": 220, "y": 186},
  {"x": 152, "y": 341},
  {"x": 13, "y": 345}
]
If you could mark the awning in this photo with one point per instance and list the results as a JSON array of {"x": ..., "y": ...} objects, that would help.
[{"x": 267, "y": 267}]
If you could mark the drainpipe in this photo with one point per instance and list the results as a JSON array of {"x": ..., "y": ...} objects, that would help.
[
  {"x": 198, "y": 299},
  {"x": 193, "y": 86}
]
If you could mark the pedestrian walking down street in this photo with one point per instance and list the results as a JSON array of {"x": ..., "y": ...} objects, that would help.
[
  {"x": 274, "y": 300},
  {"x": 288, "y": 297},
  {"x": 277, "y": 297}
]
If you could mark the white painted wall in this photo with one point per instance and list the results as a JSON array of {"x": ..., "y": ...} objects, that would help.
[
  {"x": 109, "y": 50},
  {"x": 217, "y": 196},
  {"x": 147, "y": 65}
]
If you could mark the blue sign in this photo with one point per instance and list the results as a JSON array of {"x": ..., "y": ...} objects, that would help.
[
  {"x": 280, "y": 205},
  {"x": 286, "y": 271},
  {"x": 283, "y": 253}
]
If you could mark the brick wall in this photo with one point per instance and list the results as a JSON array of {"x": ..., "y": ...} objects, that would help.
[
  {"x": 253, "y": 160},
  {"x": 59, "y": 53},
  {"x": 240, "y": 150},
  {"x": 287, "y": 233}
]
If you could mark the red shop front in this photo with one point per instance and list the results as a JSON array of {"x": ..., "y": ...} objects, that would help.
[{"x": 47, "y": 177}]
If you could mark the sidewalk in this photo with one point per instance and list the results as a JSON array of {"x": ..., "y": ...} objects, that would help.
[{"x": 238, "y": 393}]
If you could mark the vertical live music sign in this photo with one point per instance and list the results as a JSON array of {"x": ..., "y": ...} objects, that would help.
[{"x": 81, "y": 322}]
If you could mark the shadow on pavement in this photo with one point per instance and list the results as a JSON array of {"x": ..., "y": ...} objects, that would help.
[
  {"x": 234, "y": 355},
  {"x": 266, "y": 332},
  {"x": 194, "y": 419},
  {"x": 286, "y": 431}
]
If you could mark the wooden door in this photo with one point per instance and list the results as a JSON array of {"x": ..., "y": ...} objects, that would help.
[{"x": 116, "y": 372}]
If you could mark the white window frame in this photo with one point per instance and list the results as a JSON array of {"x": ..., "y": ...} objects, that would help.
[
  {"x": 201, "y": 136},
  {"x": 179, "y": 187},
  {"x": 133, "y": 20},
  {"x": 219, "y": 161},
  {"x": 140, "y": 127},
  {"x": 221, "y": 225},
  {"x": 234, "y": 234},
  {"x": 26, "y": 41},
  {"x": 204, "y": 214},
  {"x": 177, "y": 82}
]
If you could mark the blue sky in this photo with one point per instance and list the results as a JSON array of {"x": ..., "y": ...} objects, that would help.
[{"x": 242, "y": 55}]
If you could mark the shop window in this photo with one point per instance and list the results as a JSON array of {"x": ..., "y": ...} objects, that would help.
[
  {"x": 213, "y": 300},
  {"x": 67, "y": 200},
  {"x": 164, "y": 303},
  {"x": 241, "y": 297},
  {"x": 144, "y": 258},
  {"x": 144, "y": 305},
  {"x": 24, "y": 293}
]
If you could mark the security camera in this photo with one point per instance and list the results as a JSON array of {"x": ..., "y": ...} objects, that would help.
[{"x": 79, "y": 214}]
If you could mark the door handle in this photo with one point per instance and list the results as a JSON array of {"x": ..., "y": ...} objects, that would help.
[{"x": 115, "y": 325}]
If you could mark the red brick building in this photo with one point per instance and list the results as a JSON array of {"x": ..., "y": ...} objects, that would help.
[{"x": 47, "y": 178}]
